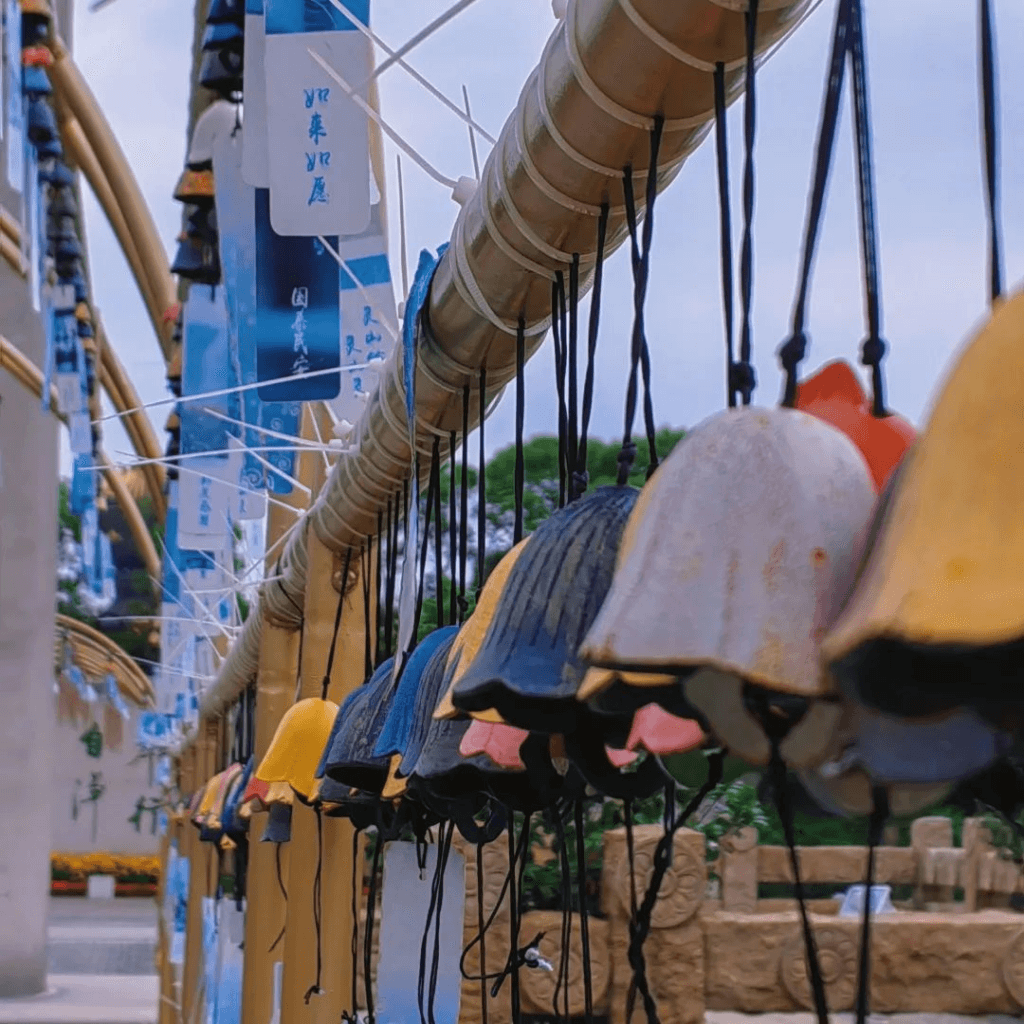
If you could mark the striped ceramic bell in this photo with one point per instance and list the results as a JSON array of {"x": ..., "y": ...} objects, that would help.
[{"x": 936, "y": 620}]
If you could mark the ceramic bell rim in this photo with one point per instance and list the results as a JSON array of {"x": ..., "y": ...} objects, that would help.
[
  {"x": 294, "y": 752},
  {"x": 528, "y": 666},
  {"x": 279, "y": 825},
  {"x": 471, "y": 634},
  {"x": 944, "y": 580},
  {"x": 751, "y": 529},
  {"x": 349, "y": 757},
  {"x": 945, "y": 749},
  {"x": 849, "y": 795},
  {"x": 422, "y": 716},
  {"x": 395, "y": 733},
  {"x": 835, "y": 394},
  {"x": 195, "y": 186},
  {"x": 725, "y": 709}
]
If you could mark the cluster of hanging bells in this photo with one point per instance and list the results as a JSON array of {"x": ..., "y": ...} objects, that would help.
[{"x": 811, "y": 588}]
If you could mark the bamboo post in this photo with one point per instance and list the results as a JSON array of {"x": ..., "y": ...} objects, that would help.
[
  {"x": 334, "y": 849},
  {"x": 275, "y": 692}
]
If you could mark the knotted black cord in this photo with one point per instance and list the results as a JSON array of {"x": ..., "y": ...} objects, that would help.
[
  {"x": 640, "y": 252},
  {"x": 876, "y": 825},
  {"x": 481, "y": 510},
  {"x": 379, "y": 618},
  {"x": 480, "y": 924},
  {"x": 464, "y": 513},
  {"x": 793, "y": 351},
  {"x": 873, "y": 349},
  {"x": 520, "y": 471},
  {"x": 746, "y": 378},
  {"x": 325, "y": 685},
  {"x": 513, "y": 964},
  {"x": 357, "y": 879},
  {"x": 581, "y": 873},
  {"x": 559, "y": 341},
  {"x": 453, "y": 531},
  {"x": 435, "y": 967},
  {"x": 371, "y": 910},
  {"x": 365, "y": 557},
  {"x": 725, "y": 227},
  {"x": 284, "y": 894},
  {"x": 777, "y": 768},
  {"x": 572, "y": 408},
  {"x": 318, "y": 910},
  {"x": 426, "y": 1012},
  {"x": 661, "y": 863},
  {"x": 990, "y": 124},
  {"x": 581, "y": 478},
  {"x": 562, "y": 977},
  {"x": 435, "y": 483},
  {"x": 424, "y": 548}
]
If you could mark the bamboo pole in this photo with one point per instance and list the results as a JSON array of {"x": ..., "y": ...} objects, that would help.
[
  {"x": 330, "y": 842},
  {"x": 69, "y": 83},
  {"x": 275, "y": 693}
]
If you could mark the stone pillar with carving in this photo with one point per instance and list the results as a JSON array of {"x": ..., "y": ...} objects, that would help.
[
  {"x": 930, "y": 833},
  {"x": 495, "y": 864},
  {"x": 674, "y": 950}
]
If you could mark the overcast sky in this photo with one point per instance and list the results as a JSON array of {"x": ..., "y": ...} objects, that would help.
[{"x": 924, "y": 95}]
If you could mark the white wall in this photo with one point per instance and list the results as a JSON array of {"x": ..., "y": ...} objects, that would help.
[{"x": 124, "y": 776}]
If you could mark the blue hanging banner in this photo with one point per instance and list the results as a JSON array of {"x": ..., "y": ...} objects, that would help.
[
  {"x": 15, "y": 109},
  {"x": 83, "y": 484},
  {"x": 235, "y": 226},
  {"x": 49, "y": 326},
  {"x": 255, "y": 159},
  {"x": 208, "y": 488},
  {"x": 69, "y": 370},
  {"x": 369, "y": 317},
  {"x": 298, "y": 313},
  {"x": 317, "y": 136},
  {"x": 282, "y": 418},
  {"x": 33, "y": 202}
]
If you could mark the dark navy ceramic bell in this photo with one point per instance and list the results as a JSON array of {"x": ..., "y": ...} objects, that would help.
[{"x": 279, "y": 824}]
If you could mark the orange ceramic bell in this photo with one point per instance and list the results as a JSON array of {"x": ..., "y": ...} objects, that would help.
[
  {"x": 835, "y": 395},
  {"x": 936, "y": 620}
]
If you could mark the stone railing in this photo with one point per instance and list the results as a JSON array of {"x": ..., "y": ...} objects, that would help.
[{"x": 734, "y": 951}]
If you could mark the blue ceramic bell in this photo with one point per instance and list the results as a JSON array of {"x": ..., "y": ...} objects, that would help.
[
  {"x": 279, "y": 824},
  {"x": 35, "y": 81},
  {"x": 225, "y": 36},
  {"x": 223, "y": 12},
  {"x": 42, "y": 125}
]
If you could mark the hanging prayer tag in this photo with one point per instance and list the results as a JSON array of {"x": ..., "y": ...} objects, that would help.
[
  {"x": 405, "y": 909},
  {"x": 317, "y": 136},
  {"x": 255, "y": 168},
  {"x": 15, "y": 114},
  {"x": 369, "y": 318},
  {"x": 298, "y": 315}
]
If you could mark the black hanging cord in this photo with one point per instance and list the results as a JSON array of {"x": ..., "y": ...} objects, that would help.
[
  {"x": 581, "y": 478},
  {"x": 435, "y": 483},
  {"x": 662, "y": 862},
  {"x": 876, "y": 825},
  {"x": 990, "y": 118},
  {"x": 453, "y": 532},
  {"x": 389, "y": 591},
  {"x": 379, "y": 583},
  {"x": 284, "y": 893},
  {"x": 426, "y": 1010},
  {"x": 464, "y": 511},
  {"x": 325, "y": 684},
  {"x": 435, "y": 966},
  {"x": 425, "y": 547},
  {"x": 873, "y": 349},
  {"x": 746, "y": 378},
  {"x": 481, "y": 930},
  {"x": 572, "y": 404},
  {"x": 520, "y": 471},
  {"x": 640, "y": 250},
  {"x": 793, "y": 351},
  {"x": 581, "y": 875},
  {"x": 481, "y": 511},
  {"x": 365, "y": 558},
  {"x": 561, "y": 989},
  {"x": 780, "y": 782},
  {"x": 371, "y": 910},
  {"x": 318, "y": 909},
  {"x": 725, "y": 226},
  {"x": 357, "y": 886},
  {"x": 558, "y": 326},
  {"x": 514, "y": 920}
]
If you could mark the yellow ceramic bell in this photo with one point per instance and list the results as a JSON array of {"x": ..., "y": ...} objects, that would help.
[
  {"x": 471, "y": 635},
  {"x": 295, "y": 750},
  {"x": 937, "y": 616}
]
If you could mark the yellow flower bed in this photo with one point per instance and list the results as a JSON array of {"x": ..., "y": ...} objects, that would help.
[{"x": 78, "y": 866}]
